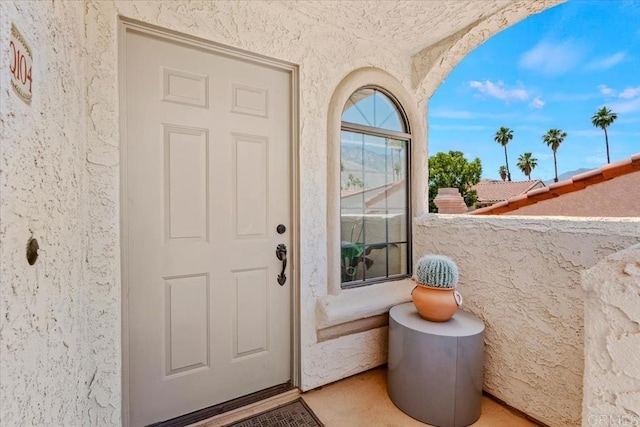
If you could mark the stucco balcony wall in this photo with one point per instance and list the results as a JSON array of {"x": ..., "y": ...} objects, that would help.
[
  {"x": 522, "y": 276},
  {"x": 612, "y": 340},
  {"x": 61, "y": 321}
]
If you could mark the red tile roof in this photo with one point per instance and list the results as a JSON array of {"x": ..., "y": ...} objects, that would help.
[
  {"x": 498, "y": 191},
  {"x": 576, "y": 183}
]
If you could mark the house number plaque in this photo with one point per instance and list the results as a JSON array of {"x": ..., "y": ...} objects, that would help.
[{"x": 20, "y": 63}]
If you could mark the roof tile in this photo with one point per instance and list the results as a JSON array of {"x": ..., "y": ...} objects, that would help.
[
  {"x": 493, "y": 191},
  {"x": 562, "y": 187},
  {"x": 578, "y": 182},
  {"x": 541, "y": 192},
  {"x": 589, "y": 175}
]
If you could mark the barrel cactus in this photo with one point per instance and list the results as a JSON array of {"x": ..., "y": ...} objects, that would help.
[{"x": 437, "y": 271}]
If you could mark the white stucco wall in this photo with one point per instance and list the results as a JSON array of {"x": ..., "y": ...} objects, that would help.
[
  {"x": 612, "y": 340},
  {"x": 302, "y": 39},
  {"x": 522, "y": 276},
  {"x": 61, "y": 330},
  {"x": 44, "y": 363}
]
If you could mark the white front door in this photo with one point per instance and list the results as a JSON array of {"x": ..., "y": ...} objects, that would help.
[{"x": 207, "y": 183}]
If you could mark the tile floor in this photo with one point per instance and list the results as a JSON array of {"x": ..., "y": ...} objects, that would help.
[{"x": 362, "y": 401}]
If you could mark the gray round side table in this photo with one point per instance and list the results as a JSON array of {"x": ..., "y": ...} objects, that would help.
[{"x": 435, "y": 369}]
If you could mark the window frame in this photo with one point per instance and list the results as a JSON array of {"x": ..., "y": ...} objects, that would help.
[{"x": 385, "y": 133}]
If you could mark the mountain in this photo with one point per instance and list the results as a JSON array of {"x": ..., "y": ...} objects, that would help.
[
  {"x": 378, "y": 168},
  {"x": 567, "y": 175},
  {"x": 351, "y": 158}
]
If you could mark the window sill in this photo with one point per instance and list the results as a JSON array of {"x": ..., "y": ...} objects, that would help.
[{"x": 360, "y": 303}]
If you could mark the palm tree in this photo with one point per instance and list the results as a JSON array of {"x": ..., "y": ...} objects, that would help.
[
  {"x": 526, "y": 163},
  {"x": 603, "y": 118},
  {"x": 502, "y": 137},
  {"x": 396, "y": 171},
  {"x": 396, "y": 146},
  {"x": 553, "y": 138},
  {"x": 503, "y": 173}
]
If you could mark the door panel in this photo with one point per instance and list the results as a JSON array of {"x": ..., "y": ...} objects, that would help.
[
  {"x": 251, "y": 183},
  {"x": 207, "y": 154},
  {"x": 186, "y": 182},
  {"x": 187, "y": 323},
  {"x": 251, "y": 328}
]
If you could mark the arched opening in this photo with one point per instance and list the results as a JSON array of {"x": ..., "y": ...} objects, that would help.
[
  {"x": 542, "y": 82},
  {"x": 512, "y": 255}
]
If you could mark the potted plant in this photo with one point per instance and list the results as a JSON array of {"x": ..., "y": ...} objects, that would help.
[{"x": 435, "y": 296}]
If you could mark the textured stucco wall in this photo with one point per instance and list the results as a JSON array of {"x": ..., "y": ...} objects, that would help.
[
  {"x": 63, "y": 176},
  {"x": 44, "y": 359},
  {"x": 609, "y": 199},
  {"x": 434, "y": 63},
  {"x": 612, "y": 341},
  {"x": 299, "y": 38},
  {"x": 522, "y": 276}
]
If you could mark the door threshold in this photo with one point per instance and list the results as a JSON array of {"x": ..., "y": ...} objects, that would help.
[
  {"x": 250, "y": 410},
  {"x": 226, "y": 412}
]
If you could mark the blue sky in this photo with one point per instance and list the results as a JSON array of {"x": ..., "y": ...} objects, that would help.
[{"x": 552, "y": 70}]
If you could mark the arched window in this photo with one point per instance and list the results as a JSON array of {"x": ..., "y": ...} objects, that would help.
[{"x": 374, "y": 189}]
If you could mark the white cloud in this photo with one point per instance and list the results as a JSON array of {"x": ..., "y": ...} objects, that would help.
[
  {"x": 607, "y": 62},
  {"x": 630, "y": 92},
  {"x": 606, "y": 90},
  {"x": 499, "y": 90},
  {"x": 537, "y": 103},
  {"x": 630, "y": 106},
  {"x": 552, "y": 58}
]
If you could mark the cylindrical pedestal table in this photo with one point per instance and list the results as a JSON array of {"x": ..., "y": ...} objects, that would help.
[{"x": 435, "y": 369}]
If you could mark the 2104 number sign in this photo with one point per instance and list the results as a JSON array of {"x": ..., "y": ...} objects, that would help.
[{"x": 20, "y": 65}]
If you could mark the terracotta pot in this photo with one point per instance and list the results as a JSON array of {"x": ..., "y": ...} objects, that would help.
[{"x": 436, "y": 304}]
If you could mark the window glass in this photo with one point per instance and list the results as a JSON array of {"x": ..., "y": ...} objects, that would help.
[
  {"x": 373, "y": 191},
  {"x": 371, "y": 107}
]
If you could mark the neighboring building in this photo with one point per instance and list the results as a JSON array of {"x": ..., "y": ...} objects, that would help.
[
  {"x": 610, "y": 191},
  {"x": 492, "y": 192}
]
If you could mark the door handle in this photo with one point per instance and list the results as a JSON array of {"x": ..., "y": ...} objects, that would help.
[{"x": 281, "y": 253}]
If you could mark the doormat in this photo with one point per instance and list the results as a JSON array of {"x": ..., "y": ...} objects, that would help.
[{"x": 291, "y": 414}]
